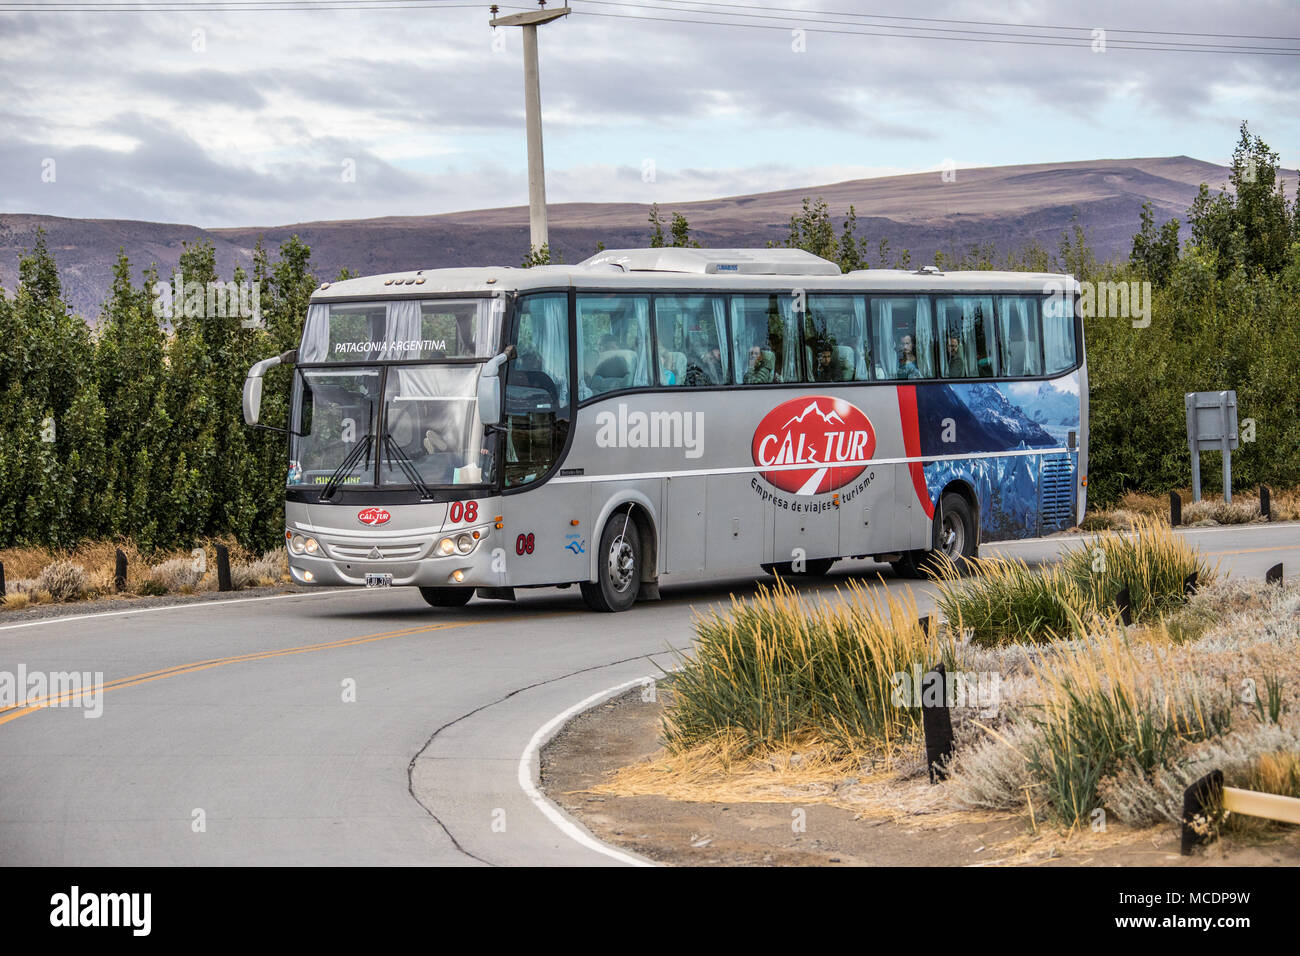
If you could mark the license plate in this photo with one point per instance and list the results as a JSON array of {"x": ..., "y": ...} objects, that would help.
[{"x": 379, "y": 580}]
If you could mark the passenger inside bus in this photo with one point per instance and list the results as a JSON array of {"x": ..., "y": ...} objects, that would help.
[
  {"x": 907, "y": 367},
  {"x": 760, "y": 366},
  {"x": 705, "y": 365},
  {"x": 956, "y": 360},
  {"x": 833, "y": 364}
]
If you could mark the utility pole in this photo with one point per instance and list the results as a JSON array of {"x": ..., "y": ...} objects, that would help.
[{"x": 533, "y": 113}]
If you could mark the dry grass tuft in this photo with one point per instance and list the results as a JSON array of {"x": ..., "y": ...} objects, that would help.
[
  {"x": 783, "y": 666},
  {"x": 156, "y": 573}
]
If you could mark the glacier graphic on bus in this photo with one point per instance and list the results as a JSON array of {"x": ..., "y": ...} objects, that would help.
[{"x": 1020, "y": 495}]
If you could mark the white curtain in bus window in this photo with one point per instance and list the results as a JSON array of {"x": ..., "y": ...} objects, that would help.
[
  {"x": 543, "y": 341},
  {"x": 1058, "y": 334},
  {"x": 789, "y": 370},
  {"x": 969, "y": 321},
  {"x": 720, "y": 337},
  {"x": 924, "y": 337},
  {"x": 402, "y": 333},
  {"x": 613, "y": 343},
  {"x": 316, "y": 335},
  {"x": 882, "y": 320},
  {"x": 487, "y": 320},
  {"x": 862, "y": 369},
  {"x": 1019, "y": 343}
]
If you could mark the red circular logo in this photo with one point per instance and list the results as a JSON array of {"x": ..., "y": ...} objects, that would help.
[
  {"x": 831, "y": 437},
  {"x": 373, "y": 516}
]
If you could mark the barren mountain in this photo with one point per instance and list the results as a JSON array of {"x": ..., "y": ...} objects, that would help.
[{"x": 1008, "y": 206}]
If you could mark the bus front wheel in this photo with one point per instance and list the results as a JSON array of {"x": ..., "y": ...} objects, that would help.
[
  {"x": 618, "y": 567},
  {"x": 447, "y": 597}
]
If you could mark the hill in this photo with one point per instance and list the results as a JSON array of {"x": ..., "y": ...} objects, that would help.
[{"x": 1008, "y": 206}]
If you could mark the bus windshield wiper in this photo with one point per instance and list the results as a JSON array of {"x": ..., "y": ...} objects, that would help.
[
  {"x": 408, "y": 467},
  {"x": 346, "y": 465}
]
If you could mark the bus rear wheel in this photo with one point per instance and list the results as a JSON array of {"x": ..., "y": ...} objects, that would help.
[
  {"x": 956, "y": 535},
  {"x": 447, "y": 597},
  {"x": 817, "y": 567},
  {"x": 618, "y": 567}
]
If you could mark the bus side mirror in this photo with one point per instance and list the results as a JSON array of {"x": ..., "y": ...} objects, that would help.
[
  {"x": 253, "y": 384},
  {"x": 489, "y": 388}
]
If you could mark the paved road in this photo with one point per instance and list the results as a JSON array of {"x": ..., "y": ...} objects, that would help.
[{"x": 225, "y": 737}]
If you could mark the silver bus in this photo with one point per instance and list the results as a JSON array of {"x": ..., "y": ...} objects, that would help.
[{"x": 651, "y": 412}]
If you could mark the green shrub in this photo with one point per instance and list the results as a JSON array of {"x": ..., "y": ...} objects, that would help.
[
  {"x": 1007, "y": 601},
  {"x": 1151, "y": 561}
]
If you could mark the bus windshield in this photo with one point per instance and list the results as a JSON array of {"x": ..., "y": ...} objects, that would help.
[
  {"x": 401, "y": 330},
  {"x": 425, "y": 432}
]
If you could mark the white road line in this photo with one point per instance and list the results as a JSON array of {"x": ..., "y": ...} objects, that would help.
[
  {"x": 180, "y": 607},
  {"x": 1267, "y": 526},
  {"x": 539, "y": 799}
]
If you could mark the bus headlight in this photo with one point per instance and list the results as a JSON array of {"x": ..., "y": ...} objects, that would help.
[
  {"x": 297, "y": 543},
  {"x": 312, "y": 546},
  {"x": 464, "y": 543},
  {"x": 457, "y": 576},
  {"x": 446, "y": 546}
]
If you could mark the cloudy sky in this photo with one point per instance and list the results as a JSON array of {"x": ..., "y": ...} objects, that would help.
[{"x": 251, "y": 116}]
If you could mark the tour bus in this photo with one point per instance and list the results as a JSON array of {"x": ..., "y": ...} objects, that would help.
[{"x": 651, "y": 412}]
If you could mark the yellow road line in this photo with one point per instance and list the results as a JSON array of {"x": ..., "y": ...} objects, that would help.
[{"x": 31, "y": 706}]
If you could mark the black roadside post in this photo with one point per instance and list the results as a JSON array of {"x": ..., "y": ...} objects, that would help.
[
  {"x": 1266, "y": 502},
  {"x": 1199, "y": 800},
  {"x": 223, "y": 568},
  {"x": 936, "y": 722},
  {"x": 925, "y": 625},
  {"x": 2, "y": 579},
  {"x": 1189, "y": 584},
  {"x": 1175, "y": 509},
  {"x": 119, "y": 571},
  {"x": 1273, "y": 575},
  {"x": 1124, "y": 601}
]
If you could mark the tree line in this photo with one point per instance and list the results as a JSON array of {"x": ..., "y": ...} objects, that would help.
[{"x": 134, "y": 430}]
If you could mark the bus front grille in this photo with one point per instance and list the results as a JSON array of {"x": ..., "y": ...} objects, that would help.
[
  {"x": 1055, "y": 494},
  {"x": 386, "y": 552}
]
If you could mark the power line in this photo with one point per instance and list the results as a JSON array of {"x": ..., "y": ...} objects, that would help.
[
  {"x": 1130, "y": 44},
  {"x": 1081, "y": 44},
  {"x": 986, "y": 23},
  {"x": 825, "y": 25}
]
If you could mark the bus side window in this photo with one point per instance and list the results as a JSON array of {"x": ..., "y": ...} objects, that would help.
[
  {"x": 835, "y": 339},
  {"x": 536, "y": 413},
  {"x": 613, "y": 343},
  {"x": 903, "y": 337},
  {"x": 1018, "y": 340},
  {"x": 967, "y": 333},
  {"x": 691, "y": 332},
  {"x": 1058, "y": 334},
  {"x": 765, "y": 339}
]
